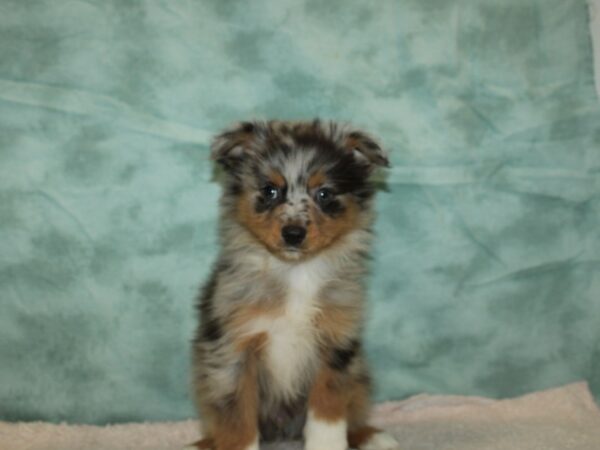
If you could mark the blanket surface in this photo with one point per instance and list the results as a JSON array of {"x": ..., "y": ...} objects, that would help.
[{"x": 559, "y": 419}]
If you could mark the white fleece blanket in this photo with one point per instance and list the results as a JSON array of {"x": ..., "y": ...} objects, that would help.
[{"x": 557, "y": 419}]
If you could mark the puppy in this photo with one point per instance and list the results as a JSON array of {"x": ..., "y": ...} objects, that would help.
[{"x": 278, "y": 354}]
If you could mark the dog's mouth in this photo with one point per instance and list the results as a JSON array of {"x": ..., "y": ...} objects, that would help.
[
  {"x": 291, "y": 252},
  {"x": 293, "y": 241}
]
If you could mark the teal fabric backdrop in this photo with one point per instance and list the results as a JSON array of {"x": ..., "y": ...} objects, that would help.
[{"x": 486, "y": 270}]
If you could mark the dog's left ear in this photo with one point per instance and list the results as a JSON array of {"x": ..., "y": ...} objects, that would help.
[
  {"x": 233, "y": 145},
  {"x": 366, "y": 149}
]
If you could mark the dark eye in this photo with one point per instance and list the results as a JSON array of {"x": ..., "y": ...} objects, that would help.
[
  {"x": 324, "y": 195},
  {"x": 270, "y": 192}
]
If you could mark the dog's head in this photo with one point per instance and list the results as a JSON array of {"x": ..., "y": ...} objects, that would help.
[{"x": 297, "y": 187}]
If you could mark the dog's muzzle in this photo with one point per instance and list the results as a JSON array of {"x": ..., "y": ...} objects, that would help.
[{"x": 293, "y": 235}]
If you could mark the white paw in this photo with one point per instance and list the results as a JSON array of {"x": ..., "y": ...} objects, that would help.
[
  {"x": 324, "y": 435},
  {"x": 381, "y": 441}
]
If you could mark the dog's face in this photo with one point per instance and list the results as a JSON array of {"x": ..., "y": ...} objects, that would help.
[{"x": 297, "y": 187}]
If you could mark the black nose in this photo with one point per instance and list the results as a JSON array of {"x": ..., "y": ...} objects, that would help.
[{"x": 293, "y": 234}]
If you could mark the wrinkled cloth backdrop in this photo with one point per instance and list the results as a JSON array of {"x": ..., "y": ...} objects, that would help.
[{"x": 486, "y": 270}]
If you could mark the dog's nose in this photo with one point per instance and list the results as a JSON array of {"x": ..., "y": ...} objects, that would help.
[{"x": 293, "y": 234}]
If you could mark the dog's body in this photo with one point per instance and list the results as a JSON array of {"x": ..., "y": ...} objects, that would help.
[{"x": 278, "y": 349}]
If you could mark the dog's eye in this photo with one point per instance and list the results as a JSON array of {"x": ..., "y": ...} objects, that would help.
[
  {"x": 270, "y": 192},
  {"x": 324, "y": 195}
]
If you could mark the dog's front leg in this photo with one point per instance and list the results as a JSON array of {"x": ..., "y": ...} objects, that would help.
[
  {"x": 232, "y": 421},
  {"x": 326, "y": 424}
]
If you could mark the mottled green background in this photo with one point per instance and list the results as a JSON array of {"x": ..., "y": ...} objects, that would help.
[{"x": 486, "y": 272}]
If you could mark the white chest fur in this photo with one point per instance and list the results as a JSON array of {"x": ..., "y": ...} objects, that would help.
[{"x": 291, "y": 355}]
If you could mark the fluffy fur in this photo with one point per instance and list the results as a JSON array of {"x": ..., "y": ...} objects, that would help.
[{"x": 278, "y": 349}]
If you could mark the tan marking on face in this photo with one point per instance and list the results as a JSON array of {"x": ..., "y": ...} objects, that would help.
[
  {"x": 316, "y": 180},
  {"x": 324, "y": 230},
  {"x": 277, "y": 179},
  {"x": 328, "y": 398},
  {"x": 265, "y": 227}
]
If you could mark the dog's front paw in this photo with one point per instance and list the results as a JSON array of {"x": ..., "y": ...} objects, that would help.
[
  {"x": 325, "y": 435},
  {"x": 381, "y": 441}
]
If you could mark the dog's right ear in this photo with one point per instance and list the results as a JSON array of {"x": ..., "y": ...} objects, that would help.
[{"x": 232, "y": 146}]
